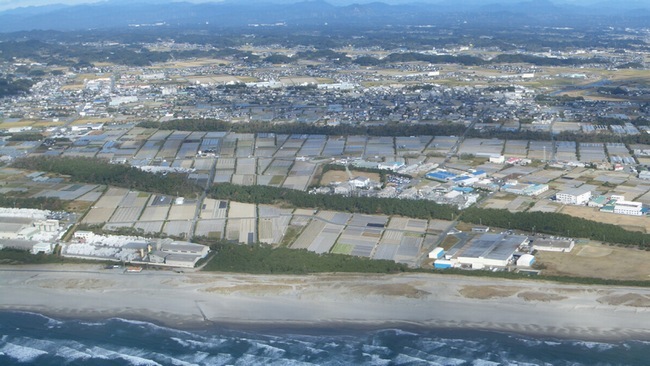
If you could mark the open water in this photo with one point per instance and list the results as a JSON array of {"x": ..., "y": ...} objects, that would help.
[{"x": 33, "y": 339}]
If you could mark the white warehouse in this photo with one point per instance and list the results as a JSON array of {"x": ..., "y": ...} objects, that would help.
[{"x": 574, "y": 196}]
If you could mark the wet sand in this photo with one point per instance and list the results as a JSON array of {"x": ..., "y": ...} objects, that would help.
[{"x": 195, "y": 300}]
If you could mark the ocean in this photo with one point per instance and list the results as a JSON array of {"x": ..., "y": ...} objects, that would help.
[{"x": 34, "y": 339}]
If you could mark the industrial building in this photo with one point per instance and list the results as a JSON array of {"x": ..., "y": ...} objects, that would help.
[
  {"x": 553, "y": 244},
  {"x": 491, "y": 250},
  {"x": 523, "y": 189},
  {"x": 574, "y": 196}
]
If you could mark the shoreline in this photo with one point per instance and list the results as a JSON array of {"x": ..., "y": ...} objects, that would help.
[{"x": 329, "y": 302}]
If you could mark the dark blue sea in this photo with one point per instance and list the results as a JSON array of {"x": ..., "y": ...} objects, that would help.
[{"x": 33, "y": 339}]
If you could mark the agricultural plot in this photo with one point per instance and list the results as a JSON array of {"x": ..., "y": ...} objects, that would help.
[
  {"x": 266, "y": 180},
  {"x": 246, "y": 166},
  {"x": 188, "y": 150},
  {"x": 169, "y": 149},
  {"x": 540, "y": 150},
  {"x": 204, "y": 164},
  {"x": 245, "y": 144},
  {"x": 241, "y": 210},
  {"x": 437, "y": 226},
  {"x": 223, "y": 176},
  {"x": 565, "y": 151},
  {"x": 411, "y": 145},
  {"x": 242, "y": 230},
  {"x": 183, "y": 163},
  {"x": 243, "y": 179},
  {"x": 380, "y": 146},
  {"x": 155, "y": 213},
  {"x": 112, "y": 197},
  {"x": 300, "y": 183},
  {"x": 70, "y": 192},
  {"x": 481, "y": 147},
  {"x": 313, "y": 145},
  {"x": 263, "y": 164},
  {"x": 279, "y": 167},
  {"x": 177, "y": 228},
  {"x": 406, "y": 251},
  {"x": 592, "y": 152},
  {"x": 318, "y": 236},
  {"x": 152, "y": 227},
  {"x": 213, "y": 209},
  {"x": 284, "y": 153},
  {"x": 441, "y": 145},
  {"x": 210, "y": 145},
  {"x": 516, "y": 148},
  {"x": 619, "y": 154},
  {"x": 91, "y": 196},
  {"x": 544, "y": 176},
  {"x": 355, "y": 146},
  {"x": 333, "y": 217},
  {"x": 159, "y": 135},
  {"x": 265, "y": 140},
  {"x": 98, "y": 215},
  {"x": 82, "y": 152},
  {"x": 126, "y": 214},
  {"x": 273, "y": 223},
  {"x": 228, "y": 147},
  {"x": 225, "y": 164},
  {"x": 135, "y": 199},
  {"x": 148, "y": 150},
  {"x": 334, "y": 147},
  {"x": 213, "y": 228},
  {"x": 265, "y": 152},
  {"x": 361, "y": 235},
  {"x": 182, "y": 212}
]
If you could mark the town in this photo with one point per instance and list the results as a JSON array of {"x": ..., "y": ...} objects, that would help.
[{"x": 552, "y": 131}]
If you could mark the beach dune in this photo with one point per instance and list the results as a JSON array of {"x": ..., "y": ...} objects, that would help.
[{"x": 189, "y": 300}]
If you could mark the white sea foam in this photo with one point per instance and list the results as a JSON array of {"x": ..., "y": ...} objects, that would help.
[
  {"x": 403, "y": 359},
  {"x": 137, "y": 361},
  {"x": 481, "y": 362},
  {"x": 71, "y": 354},
  {"x": 595, "y": 345},
  {"x": 216, "y": 360},
  {"x": 153, "y": 326},
  {"x": 21, "y": 353},
  {"x": 375, "y": 360},
  {"x": 194, "y": 344},
  {"x": 267, "y": 350}
]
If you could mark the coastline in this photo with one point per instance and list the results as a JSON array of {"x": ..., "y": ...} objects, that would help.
[{"x": 329, "y": 301}]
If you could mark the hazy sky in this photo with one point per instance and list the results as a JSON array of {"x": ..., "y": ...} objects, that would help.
[{"x": 10, "y": 4}]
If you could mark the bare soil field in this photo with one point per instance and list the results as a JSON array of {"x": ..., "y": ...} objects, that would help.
[
  {"x": 597, "y": 260},
  {"x": 633, "y": 223},
  {"x": 341, "y": 176}
]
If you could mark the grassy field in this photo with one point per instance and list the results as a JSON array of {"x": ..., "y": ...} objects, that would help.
[
  {"x": 341, "y": 176},
  {"x": 598, "y": 261},
  {"x": 632, "y": 223}
]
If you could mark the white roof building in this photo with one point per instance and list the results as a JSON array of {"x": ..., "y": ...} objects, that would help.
[{"x": 574, "y": 196}]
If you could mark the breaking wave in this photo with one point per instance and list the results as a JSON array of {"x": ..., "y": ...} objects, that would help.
[{"x": 33, "y": 339}]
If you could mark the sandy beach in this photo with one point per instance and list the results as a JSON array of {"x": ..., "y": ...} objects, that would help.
[{"x": 191, "y": 300}]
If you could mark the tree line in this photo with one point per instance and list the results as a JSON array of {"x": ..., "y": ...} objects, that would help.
[
  {"x": 368, "y": 205},
  {"x": 98, "y": 171},
  {"x": 389, "y": 129},
  {"x": 260, "y": 258}
]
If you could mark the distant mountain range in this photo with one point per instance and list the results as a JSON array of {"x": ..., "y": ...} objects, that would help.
[{"x": 120, "y": 13}]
